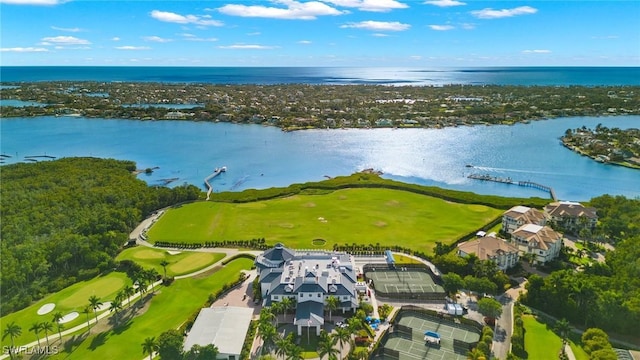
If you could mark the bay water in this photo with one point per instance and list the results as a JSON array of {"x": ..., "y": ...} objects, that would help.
[{"x": 260, "y": 157}]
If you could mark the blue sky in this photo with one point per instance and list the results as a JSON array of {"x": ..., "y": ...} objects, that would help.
[{"x": 320, "y": 33}]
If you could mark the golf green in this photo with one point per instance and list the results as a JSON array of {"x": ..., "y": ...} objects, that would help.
[{"x": 180, "y": 263}]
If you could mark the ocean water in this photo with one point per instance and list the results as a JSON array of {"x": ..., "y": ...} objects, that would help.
[
  {"x": 554, "y": 76},
  {"x": 260, "y": 157}
]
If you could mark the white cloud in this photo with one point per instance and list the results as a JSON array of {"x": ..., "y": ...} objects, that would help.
[
  {"x": 415, "y": 57},
  {"x": 294, "y": 10},
  {"x": 128, "y": 47},
  {"x": 66, "y": 29},
  {"x": 32, "y": 2},
  {"x": 445, "y": 3},
  {"x": 254, "y": 33},
  {"x": 24, "y": 49},
  {"x": 605, "y": 37},
  {"x": 378, "y": 26},
  {"x": 468, "y": 26},
  {"x": 201, "y": 39},
  {"x": 304, "y": 42},
  {"x": 540, "y": 51},
  {"x": 115, "y": 38},
  {"x": 442, "y": 27},
  {"x": 247, "y": 47},
  {"x": 379, "y": 35},
  {"x": 156, "y": 39},
  {"x": 370, "y": 5},
  {"x": 490, "y": 13},
  {"x": 64, "y": 40},
  {"x": 72, "y": 47},
  {"x": 204, "y": 20}
]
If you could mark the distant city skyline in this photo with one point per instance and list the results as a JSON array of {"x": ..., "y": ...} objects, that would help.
[{"x": 390, "y": 33}]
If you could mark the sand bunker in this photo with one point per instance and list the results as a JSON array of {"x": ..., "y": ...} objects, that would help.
[
  {"x": 46, "y": 308},
  {"x": 173, "y": 252},
  {"x": 70, "y": 316},
  {"x": 104, "y": 306}
]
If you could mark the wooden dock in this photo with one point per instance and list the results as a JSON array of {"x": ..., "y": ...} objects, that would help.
[
  {"x": 215, "y": 173},
  {"x": 508, "y": 180}
]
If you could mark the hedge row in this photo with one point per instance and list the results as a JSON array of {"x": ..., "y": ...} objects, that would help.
[
  {"x": 517, "y": 339},
  {"x": 258, "y": 244},
  {"x": 245, "y": 354},
  {"x": 238, "y": 256}
]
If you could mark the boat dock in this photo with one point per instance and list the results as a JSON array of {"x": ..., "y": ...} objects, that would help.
[
  {"x": 215, "y": 173},
  {"x": 508, "y": 180}
]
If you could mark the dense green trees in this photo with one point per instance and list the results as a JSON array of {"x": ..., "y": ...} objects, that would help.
[{"x": 66, "y": 220}]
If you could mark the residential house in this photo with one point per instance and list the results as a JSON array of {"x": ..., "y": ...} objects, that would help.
[
  {"x": 571, "y": 216},
  {"x": 517, "y": 216},
  {"x": 504, "y": 254},
  {"x": 541, "y": 241},
  {"x": 309, "y": 277}
]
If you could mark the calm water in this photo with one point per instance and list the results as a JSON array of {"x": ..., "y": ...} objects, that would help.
[
  {"x": 19, "y": 103},
  {"x": 261, "y": 157},
  {"x": 561, "y": 76}
]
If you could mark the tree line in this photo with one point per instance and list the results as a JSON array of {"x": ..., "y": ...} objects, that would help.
[{"x": 65, "y": 220}]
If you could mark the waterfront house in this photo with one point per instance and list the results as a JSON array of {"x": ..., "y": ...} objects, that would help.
[
  {"x": 571, "y": 216},
  {"x": 517, "y": 216},
  {"x": 541, "y": 241},
  {"x": 504, "y": 254},
  {"x": 309, "y": 277}
]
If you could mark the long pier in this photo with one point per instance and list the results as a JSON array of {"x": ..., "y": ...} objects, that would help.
[
  {"x": 215, "y": 173},
  {"x": 509, "y": 181}
]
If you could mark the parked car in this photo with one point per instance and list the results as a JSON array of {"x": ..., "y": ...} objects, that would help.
[{"x": 341, "y": 324}]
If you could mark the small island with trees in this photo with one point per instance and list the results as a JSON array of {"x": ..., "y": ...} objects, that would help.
[{"x": 614, "y": 146}]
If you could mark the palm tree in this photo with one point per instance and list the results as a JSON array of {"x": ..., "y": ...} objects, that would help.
[
  {"x": 326, "y": 345},
  {"x": 269, "y": 335},
  {"x": 57, "y": 316},
  {"x": 128, "y": 291},
  {"x": 282, "y": 346},
  {"x": 266, "y": 315},
  {"x": 294, "y": 353},
  {"x": 47, "y": 326},
  {"x": 562, "y": 327},
  {"x": 12, "y": 330},
  {"x": 287, "y": 304},
  {"x": 116, "y": 305},
  {"x": 275, "y": 309},
  {"x": 149, "y": 346},
  {"x": 87, "y": 310},
  {"x": 331, "y": 303},
  {"x": 164, "y": 263},
  {"x": 342, "y": 336},
  {"x": 35, "y": 328},
  {"x": 151, "y": 275},
  {"x": 95, "y": 303}
]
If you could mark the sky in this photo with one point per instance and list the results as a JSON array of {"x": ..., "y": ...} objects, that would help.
[{"x": 385, "y": 33}]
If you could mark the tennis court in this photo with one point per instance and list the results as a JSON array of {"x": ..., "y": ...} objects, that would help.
[
  {"x": 403, "y": 280},
  {"x": 454, "y": 344}
]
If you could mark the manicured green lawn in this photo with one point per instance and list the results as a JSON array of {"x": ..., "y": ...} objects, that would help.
[
  {"x": 536, "y": 334},
  {"x": 72, "y": 298},
  {"x": 364, "y": 216},
  {"x": 401, "y": 259},
  {"x": 169, "y": 308},
  {"x": 179, "y": 264}
]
